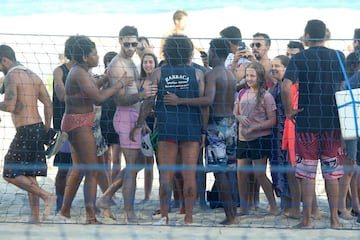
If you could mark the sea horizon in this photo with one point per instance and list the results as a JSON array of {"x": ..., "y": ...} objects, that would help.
[{"x": 84, "y": 7}]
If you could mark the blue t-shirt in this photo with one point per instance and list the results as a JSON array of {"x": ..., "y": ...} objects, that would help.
[
  {"x": 318, "y": 72},
  {"x": 182, "y": 122}
]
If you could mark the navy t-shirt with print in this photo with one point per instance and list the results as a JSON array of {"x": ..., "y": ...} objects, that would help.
[{"x": 182, "y": 122}]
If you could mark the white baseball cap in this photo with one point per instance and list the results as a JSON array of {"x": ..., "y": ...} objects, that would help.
[{"x": 146, "y": 146}]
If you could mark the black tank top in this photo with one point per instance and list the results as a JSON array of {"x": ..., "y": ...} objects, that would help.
[{"x": 58, "y": 106}]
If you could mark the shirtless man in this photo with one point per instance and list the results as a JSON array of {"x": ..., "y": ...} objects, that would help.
[
  {"x": 23, "y": 88},
  {"x": 219, "y": 94},
  {"x": 180, "y": 19},
  {"x": 128, "y": 101}
]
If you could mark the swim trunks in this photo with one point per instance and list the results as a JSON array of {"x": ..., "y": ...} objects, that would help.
[
  {"x": 73, "y": 121},
  {"x": 124, "y": 122},
  {"x": 325, "y": 146},
  {"x": 26, "y": 155},
  {"x": 220, "y": 150}
]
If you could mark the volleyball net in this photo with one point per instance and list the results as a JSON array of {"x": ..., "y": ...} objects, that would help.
[{"x": 42, "y": 54}]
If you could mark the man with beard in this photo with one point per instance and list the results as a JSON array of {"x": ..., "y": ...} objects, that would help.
[
  {"x": 260, "y": 47},
  {"x": 26, "y": 159}
]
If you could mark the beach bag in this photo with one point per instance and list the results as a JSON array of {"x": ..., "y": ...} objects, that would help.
[{"x": 348, "y": 104}]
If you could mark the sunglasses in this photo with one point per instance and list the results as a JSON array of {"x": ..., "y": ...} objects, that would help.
[
  {"x": 128, "y": 44},
  {"x": 258, "y": 45}
]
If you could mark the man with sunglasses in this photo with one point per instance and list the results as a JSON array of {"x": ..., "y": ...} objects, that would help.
[
  {"x": 122, "y": 68},
  {"x": 260, "y": 47}
]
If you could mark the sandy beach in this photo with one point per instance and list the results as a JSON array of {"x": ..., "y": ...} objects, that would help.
[{"x": 38, "y": 40}]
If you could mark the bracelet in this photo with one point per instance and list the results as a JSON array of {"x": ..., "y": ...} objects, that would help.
[{"x": 203, "y": 131}]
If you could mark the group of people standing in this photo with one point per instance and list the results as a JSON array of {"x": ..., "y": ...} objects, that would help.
[{"x": 242, "y": 109}]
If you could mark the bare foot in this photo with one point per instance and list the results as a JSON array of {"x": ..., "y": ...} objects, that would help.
[
  {"x": 188, "y": 219},
  {"x": 34, "y": 220},
  {"x": 302, "y": 226},
  {"x": 293, "y": 213},
  {"x": 345, "y": 215},
  {"x": 337, "y": 226},
  {"x": 48, "y": 202},
  {"x": 132, "y": 218},
  {"x": 106, "y": 212},
  {"x": 92, "y": 221},
  {"x": 228, "y": 221},
  {"x": 292, "y": 216},
  {"x": 316, "y": 214},
  {"x": 104, "y": 202},
  {"x": 182, "y": 210},
  {"x": 274, "y": 211}
]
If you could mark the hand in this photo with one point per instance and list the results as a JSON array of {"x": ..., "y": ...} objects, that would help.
[
  {"x": 150, "y": 89},
  {"x": 133, "y": 133},
  {"x": 171, "y": 99},
  {"x": 243, "y": 120},
  {"x": 128, "y": 81},
  {"x": 246, "y": 53},
  {"x": 291, "y": 115},
  {"x": 146, "y": 130}
]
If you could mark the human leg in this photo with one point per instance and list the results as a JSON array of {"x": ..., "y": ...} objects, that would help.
[
  {"x": 223, "y": 184},
  {"x": 134, "y": 162},
  {"x": 63, "y": 161},
  {"x": 84, "y": 161},
  {"x": 34, "y": 202},
  {"x": 201, "y": 180},
  {"x": 166, "y": 160},
  {"x": 148, "y": 177},
  {"x": 244, "y": 166},
  {"x": 265, "y": 183},
  {"x": 294, "y": 186},
  {"x": 115, "y": 158},
  {"x": 189, "y": 157},
  {"x": 35, "y": 192},
  {"x": 60, "y": 183},
  {"x": 354, "y": 186},
  {"x": 102, "y": 176}
]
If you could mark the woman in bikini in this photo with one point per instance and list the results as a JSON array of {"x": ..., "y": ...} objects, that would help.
[{"x": 82, "y": 91}]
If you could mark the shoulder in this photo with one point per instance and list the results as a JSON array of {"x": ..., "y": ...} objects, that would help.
[
  {"x": 199, "y": 73},
  {"x": 268, "y": 96}
]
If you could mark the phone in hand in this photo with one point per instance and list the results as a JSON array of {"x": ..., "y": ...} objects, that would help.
[
  {"x": 203, "y": 54},
  {"x": 242, "y": 46}
]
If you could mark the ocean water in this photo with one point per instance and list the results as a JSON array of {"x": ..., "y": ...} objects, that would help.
[{"x": 26, "y": 7}]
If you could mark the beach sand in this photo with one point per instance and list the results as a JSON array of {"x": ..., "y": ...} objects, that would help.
[{"x": 281, "y": 25}]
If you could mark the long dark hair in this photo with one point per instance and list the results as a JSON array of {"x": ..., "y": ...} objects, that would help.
[
  {"x": 142, "y": 71},
  {"x": 260, "y": 73}
]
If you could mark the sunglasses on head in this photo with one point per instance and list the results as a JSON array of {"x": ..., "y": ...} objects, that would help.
[
  {"x": 128, "y": 44},
  {"x": 255, "y": 44}
]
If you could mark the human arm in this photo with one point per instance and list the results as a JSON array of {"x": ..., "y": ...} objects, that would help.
[
  {"x": 89, "y": 87},
  {"x": 59, "y": 87},
  {"x": 101, "y": 80},
  {"x": 286, "y": 96},
  {"x": 145, "y": 108},
  {"x": 241, "y": 119},
  {"x": 10, "y": 96},
  {"x": 45, "y": 99}
]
